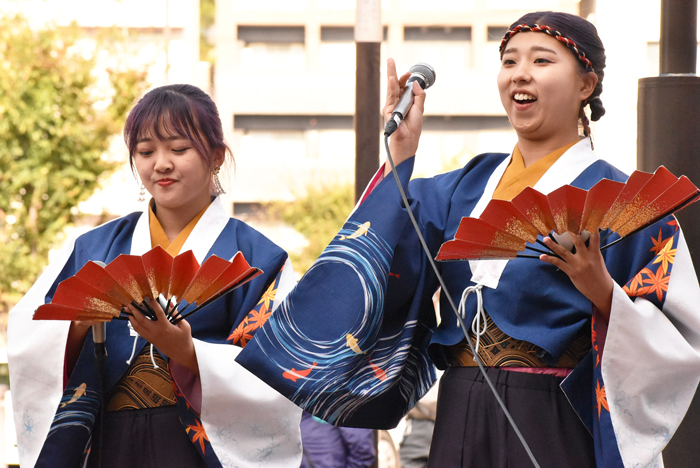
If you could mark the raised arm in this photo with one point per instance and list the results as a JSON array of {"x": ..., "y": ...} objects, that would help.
[{"x": 404, "y": 142}]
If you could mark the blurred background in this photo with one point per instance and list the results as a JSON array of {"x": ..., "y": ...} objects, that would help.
[{"x": 282, "y": 73}]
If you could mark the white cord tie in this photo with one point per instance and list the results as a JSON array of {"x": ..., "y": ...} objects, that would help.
[
  {"x": 478, "y": 328},
  {"x": 155, "y": 366},
  {"x": 133, "y": 333}
]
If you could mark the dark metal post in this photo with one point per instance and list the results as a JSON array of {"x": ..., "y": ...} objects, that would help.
[
  {"x": 667, "y": 133},
  {"x": 367, "y": 122},
  {"x": 679, "y": 42},
  {"x": 669, "y": 109},
  {"x": 368, "y": 40}
]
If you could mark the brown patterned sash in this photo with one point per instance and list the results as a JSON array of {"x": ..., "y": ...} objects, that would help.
[
  {"x": 143, "y": 386},
  {"x": 496, "y": 349}
]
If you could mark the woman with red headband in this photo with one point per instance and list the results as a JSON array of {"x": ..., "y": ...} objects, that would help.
[{"x": 596, "y": 355}]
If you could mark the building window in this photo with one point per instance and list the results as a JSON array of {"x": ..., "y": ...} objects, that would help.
[
  {"x": 337, "y": 48},
  {"x": 496, "y": 33},
  {"x": 290, "y": 152},
  {"x": 272, "y": 48},
  {"x": 271, "y": 34},
  {"x": 445, "y": 48}
]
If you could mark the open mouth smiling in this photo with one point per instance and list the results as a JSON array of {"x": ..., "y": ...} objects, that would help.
[{"x": 524, "y": 98}]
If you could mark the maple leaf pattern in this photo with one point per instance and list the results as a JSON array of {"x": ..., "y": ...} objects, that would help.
[
  {"x": 635, "y": 287},
  {"x": 601, "y": 398},
  {"x": 199, "y": 434},
  {"x": 659, "y": 243},
  {"x": 658, "y": 283},
  {"x": 673, "y": 223},
  {"x": 257, "y": 318},
  {"x": 666, "y": 255},
  {"x": 242, "y": 334},
  {"x": 269, "y": 295}
]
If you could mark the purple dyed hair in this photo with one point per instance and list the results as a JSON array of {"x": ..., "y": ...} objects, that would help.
[{"x": 179, "y": 109}]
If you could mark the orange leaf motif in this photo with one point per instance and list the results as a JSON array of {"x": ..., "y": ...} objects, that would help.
[
  {"x": 636, "y": 284},
  {"x": 666, "y": 255},
  {"x": 658, "y": 243},
  {"x": 241, "y": 335},
  {"x": 199, "y": 435},
  {"x": 268, "y": 296},
  {"x": 257, "y": 318},
  {"x": 601, "y": 398},
  {"x": 658, "y": 283}
]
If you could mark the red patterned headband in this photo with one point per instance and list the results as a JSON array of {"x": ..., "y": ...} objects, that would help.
[{"x": 547, "y": 30}]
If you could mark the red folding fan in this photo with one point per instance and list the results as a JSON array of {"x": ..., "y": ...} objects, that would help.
[
  {"x": 507, "y": 227},
  {"x": 100, "y": 292}
]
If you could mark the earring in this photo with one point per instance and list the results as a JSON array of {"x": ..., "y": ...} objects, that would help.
[
  {"x": 217, "y": 182},
  {"x": 142, "y": 193}
]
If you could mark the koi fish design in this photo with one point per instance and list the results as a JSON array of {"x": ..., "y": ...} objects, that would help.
[
  {"x": 80, "y": 391},
  {"x": 378, "y": 371},
  {"x": 361, "y": 231},
  {"x": 294, "y": 374},
  {"x": 352, "y": 344}
]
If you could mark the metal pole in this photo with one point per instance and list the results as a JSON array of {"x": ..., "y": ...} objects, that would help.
[
  {"x": 368, "y": 39},
  {"x": 668, "y": 112},
  {"x": 368, "y": 122},
  {"x": 679, "y": 40}
]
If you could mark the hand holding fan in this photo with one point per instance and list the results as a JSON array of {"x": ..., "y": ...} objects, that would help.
[
  {"x": 100, "y": 293},
  {"x": 505, "y": 228}
]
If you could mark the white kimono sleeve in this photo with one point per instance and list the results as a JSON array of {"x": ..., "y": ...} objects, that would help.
[
  {"x": 35, "y": 353},
  {"x": 651, "y": 363},
  {"x": 248, "y": 423}
]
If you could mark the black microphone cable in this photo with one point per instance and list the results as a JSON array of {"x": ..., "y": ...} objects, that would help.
[{"x": 454, "y": 307}]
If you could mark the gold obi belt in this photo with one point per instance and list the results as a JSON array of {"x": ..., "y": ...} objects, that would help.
[
  {"x": 143, "y": 385},
  {"x": 496, "y": 349}
]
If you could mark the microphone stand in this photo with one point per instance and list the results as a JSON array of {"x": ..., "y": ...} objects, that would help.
[{"x": 99, "y": 336}]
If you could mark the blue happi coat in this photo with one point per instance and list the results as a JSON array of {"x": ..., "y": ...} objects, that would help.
[
  {"x": 54, "y": 428},
  {"x": 356, "y": 341}
]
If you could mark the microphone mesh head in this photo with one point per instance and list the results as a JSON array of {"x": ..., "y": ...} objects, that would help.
[{"x": 427, "y": 71}]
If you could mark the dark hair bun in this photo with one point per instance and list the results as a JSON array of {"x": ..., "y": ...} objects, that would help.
[{"x": 597, "y": 109}]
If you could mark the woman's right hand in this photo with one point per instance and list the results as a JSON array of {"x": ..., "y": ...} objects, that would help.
[{"x": 404, "y": 142}]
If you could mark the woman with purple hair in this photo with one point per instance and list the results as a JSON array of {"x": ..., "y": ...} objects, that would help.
[
  {"x": 173, "y": 394},
  {"x": 595, "y": 354}
]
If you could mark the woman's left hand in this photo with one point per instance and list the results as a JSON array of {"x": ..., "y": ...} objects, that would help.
[
  {"x": 586, "y": 269},
  {"x": 175, "y": 341}
]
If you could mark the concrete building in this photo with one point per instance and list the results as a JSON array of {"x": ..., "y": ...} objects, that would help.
[{"x": 285, "y": 84}]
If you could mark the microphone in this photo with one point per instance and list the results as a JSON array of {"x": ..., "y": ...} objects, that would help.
[{"x": 424, "y": 74}]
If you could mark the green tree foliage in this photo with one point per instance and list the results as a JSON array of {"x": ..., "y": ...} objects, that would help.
[
  {"x": 55, "y": 128},
  {"x": 207, "y": 19},
  {"x": 318, "y": 216}
]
